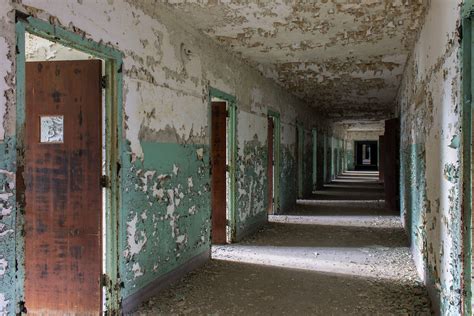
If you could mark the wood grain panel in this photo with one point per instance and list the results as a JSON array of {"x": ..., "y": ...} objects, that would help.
[
  {"x": 63, "y": 257},
  {"x": 270, "y": 163},
  {"x": 218, "y": 161}
]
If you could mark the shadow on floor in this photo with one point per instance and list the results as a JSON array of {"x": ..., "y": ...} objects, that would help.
[
  {"x": 230, "y": 288},
  {"x": 340, "y": 253}
]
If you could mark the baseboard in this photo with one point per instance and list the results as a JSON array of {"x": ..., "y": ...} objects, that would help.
[{"x": 132, "y": 302}]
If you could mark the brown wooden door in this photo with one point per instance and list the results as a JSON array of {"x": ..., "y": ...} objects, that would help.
[
  {"x": 63, "y": 196},
  {"x": 381, "y": 158},
  {"x": 270, "y": 164},
  {"x": 392, "y": 164},
  {"x": 218, "y": 161}
]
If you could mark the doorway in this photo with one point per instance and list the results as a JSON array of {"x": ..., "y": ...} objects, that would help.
[
  {"x": 273, "y": 163},
  {"x": 299, "y": 159},
  {"x": 67, "y": 170},
  {"x": 467, "y": 160},
  {"x": 315, "y": 159},
  {"x": 223, "y": 152},
  {"x": 366, "y": 155}
]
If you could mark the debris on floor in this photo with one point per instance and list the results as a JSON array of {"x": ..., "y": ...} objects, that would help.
[{"x": 352, "y": 261}]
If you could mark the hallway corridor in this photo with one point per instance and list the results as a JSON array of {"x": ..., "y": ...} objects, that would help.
[{"x": 340, "y": 253}]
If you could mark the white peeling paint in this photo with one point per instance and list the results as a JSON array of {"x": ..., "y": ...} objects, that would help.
[
  {"x": 3, "y": 304},
  {"x": 200, "y": 153},
  {"x": 175, "y": 169},
  {"x": 3, "y": 266},
  {"x": 135, "y": 244},
  {"x": 5, "y": 68},
  {"x": 137, "y": 271}
]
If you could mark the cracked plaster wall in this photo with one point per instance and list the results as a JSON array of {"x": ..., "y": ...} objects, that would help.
[
  {"x": 346, "y": 57},
  {"x": 430, "y": 105},
  {"x": 168, "y": 68}
]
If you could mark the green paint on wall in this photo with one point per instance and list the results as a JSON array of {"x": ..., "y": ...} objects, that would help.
[
  {"x": 416, "y": 208},
  {"x": 8, "y": 282},
  {"x": 166, "y": 211},
  {"x": 350, "y": 159},
  {"x": 252, "y": 197},
  {"x": 288, "y": 192}
]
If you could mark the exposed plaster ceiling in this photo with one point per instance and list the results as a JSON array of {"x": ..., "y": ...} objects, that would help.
[
  {"x": 362, "y": 126},
  {"x": 345, "y": 57}
]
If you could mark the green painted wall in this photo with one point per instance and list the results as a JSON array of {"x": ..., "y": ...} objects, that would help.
[
  {"x": 165, "y": 213},
  {"x": 350, "y": 159},
  {"x": 8, "y": 283},
  {"x": 251, "y": 177},
  {"x": 288, "y": 188}
]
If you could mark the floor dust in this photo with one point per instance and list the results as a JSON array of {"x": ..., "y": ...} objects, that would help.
[{"x": 339, "y": 253}]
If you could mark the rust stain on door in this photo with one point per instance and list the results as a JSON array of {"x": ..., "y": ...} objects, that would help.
[
  {"x": 218, "y": 161},
  {"x": 63, "y": 251}
]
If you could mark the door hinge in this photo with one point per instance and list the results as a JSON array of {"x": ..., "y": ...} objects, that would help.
[
  {"x": 103, "y": 82},
  {"x": 105, "y": 280},
  {"x": 105, "y": 181}
]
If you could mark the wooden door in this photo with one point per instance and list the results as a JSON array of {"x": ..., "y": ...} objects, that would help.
[
  {"x": 270, "y": 164},
  {"x": 63, "y": 196},
  {"x": 392, "y": 164},
  {"x": 218, "y": 161},
  {"x": 381, "y": 158}
]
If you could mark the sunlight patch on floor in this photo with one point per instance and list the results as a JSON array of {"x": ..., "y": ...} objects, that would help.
[
  {"x": 349, "y": 221},
  {"x": 375, "y": 261}
]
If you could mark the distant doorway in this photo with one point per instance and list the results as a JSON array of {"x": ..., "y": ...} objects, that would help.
[{"x": 366, "y": 155}]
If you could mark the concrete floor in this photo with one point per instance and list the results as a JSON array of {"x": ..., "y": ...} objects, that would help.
[{"x": 340, "y": 253}]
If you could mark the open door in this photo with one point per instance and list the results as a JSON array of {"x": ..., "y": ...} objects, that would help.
[
  {"x": 63, "y": 194},
  {"x": 218, "y": 165},
  {"x": 392, "y": 164},
  {"x": 270, "y": 163}
]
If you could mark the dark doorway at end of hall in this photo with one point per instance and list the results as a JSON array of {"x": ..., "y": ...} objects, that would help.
[{"x": 366, "y": 155}]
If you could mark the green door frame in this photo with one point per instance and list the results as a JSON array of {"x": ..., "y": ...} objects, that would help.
[
  {"x": 299, "y": 163},
  {"x": 276, "y": 149},
  {"x": 467, "y": 94},
  {"x": 232, "y": 151},
  {"x": 113, "y": 143},
  {"x": 315, "y": 158}
]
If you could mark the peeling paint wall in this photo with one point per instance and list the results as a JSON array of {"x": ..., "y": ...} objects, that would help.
[
  {"x": 430, "y": 106},
  {"x": 168, "y": 69},
  {"x": 7, "y": 162}
]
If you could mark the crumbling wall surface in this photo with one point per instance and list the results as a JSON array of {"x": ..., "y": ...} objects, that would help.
[
  {"x": 430, "y": 105},
  {"x": 288, "y": 186},
  {"x": 363, "y": 135},
  {"x": 167, "y": 71},
  {"x": 7, "y": 160}
]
